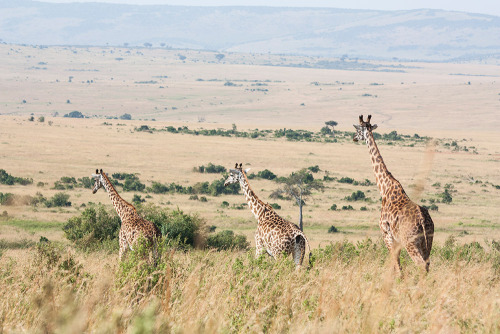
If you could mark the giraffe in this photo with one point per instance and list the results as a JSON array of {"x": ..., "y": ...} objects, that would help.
[
  {"x": 274, "y": 234},
  {"x": 403, "y": 223},
  {"x": 133, "y": 226}
]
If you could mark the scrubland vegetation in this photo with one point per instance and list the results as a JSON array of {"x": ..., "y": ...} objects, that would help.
[
  {"x": 347, "y": 287},
  {"x": 169, "y": 127}
]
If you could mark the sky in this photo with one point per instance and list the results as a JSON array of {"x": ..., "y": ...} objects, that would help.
[{"x": 491, "y": 7}]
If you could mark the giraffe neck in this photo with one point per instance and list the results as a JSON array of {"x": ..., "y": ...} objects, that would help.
[
  {"x": 383, "y": 177},
  {"x": 254, "y": 203},
  {"x": 121, "y": 206}
]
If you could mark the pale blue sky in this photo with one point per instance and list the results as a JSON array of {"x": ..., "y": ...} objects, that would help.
[{"x": 491, "y": 7}]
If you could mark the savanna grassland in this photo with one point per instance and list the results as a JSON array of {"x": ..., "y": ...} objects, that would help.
[{"x": 445, "y": 152}]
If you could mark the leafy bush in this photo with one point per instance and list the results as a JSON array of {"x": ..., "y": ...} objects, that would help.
[
  {"x": 74, "y": 114},
  {"x": 446, "y": 197},
  {"x": 95, "y": 228},
  {"x": 6, "y": 199},
  {"x": 227, "y": 240},
  {"x": 333, "y": 229},
  {"x": 7, "y": 179},
  {"x": 131, "y": 183},
  {"x": 210, "y": 168},
  {"x": 126, "y": 117},
  {"x": 346, "y": 180},
  {"x": 314, "y": 169},
  {"x": 176, "y": 227},
  {"x": 65, "y": 183},
  {"x": 356, "y": 196},
  {"x": 137, "y": 199},
  {"x": 333, "y": 207},
  {"x": 86, "y": 182},
  {"x": 347, "y": 207},
  {"x": 58, "y": 200},
  {"x": 432, "y": 207},
  {"x": 275, "y": 206},
  {"x": 158, "y": 188},
  {"x": 266, "y": 174}
]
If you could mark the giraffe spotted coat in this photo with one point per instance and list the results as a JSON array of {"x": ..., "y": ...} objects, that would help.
[
  {"x": 403, "y": 223},
  {"x": 133, "y": 226},
  {"x": 274, "y": 235}
]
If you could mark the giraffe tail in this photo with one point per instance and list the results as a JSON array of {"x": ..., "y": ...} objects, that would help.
[{"x": 297, "y": 239}]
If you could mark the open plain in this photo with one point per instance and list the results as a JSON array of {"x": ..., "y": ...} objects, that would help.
[{"x": 447, "y": 114}]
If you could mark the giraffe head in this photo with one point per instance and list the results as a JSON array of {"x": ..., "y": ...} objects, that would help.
[
  {"x": 363, "y": 128},
  {"x": 235, "y": 175},
  {"x": 99, "y": 180}
]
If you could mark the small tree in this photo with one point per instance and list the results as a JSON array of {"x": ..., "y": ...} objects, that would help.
[
  {"x": 219, "y": 56},
  {"x": 333, "y": 124},
  {"x": 298, "y": 186}
]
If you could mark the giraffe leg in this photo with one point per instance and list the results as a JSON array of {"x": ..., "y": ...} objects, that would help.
[
  {"x": 123, "y": 246},
  {"x": 259, "y": 246},
  {"x": 417, "y": 250},
  {"x": 299, "y": 250},
  {"x": 393, "y": 246}
]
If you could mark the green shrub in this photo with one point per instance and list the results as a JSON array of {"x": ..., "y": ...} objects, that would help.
[
  {"x": 363, "y": 208},
  {"x": 356, "y": 196},
  {"x": 333, "y": 229},
  {"x": 58, "y": 200},
  {"x": 92, "y": 228},
  {"x": 210, "y": 168},
  {"x": 314, "y": 169},
  {"x": 74, "y": 114},
  {"x": 266, "y": 174},
  {"x": 137, "y": 199},
  {"x": 176, "y": 227},
  {"x": 158, "y": 188},
  {"x": 6, "y": 199},
  {"x": 7, "y": 179},
  {"x": 275, "y": 206},
  {"x": 227, "y": 240},
  {"x": 345, "y": 179},
  {"x": 347, "y": 207},
  {"x": 432, "y": 207},
  {"x": 333, "y": 207},
  {"x": 446, "y": 197},
  {"x": 86, "y": 182},
  {"x": 224, "y": 204}
]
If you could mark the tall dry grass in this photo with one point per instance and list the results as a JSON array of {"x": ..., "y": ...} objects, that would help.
[{"x": 349, "y": 288}]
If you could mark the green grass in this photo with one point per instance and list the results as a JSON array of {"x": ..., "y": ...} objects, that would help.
[
  {"x": 34, "y": 226},
  {"x": 16, "y": 244}
]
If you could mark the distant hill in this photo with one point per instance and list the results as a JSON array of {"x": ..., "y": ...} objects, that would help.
[{"x": 431, "y": 35}]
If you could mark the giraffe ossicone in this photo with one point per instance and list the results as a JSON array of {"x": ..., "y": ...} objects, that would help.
[
  {"x": 274, "y": 234},
  {"x": 403, "y": 223},
  {"x": 133, "y": 226}
]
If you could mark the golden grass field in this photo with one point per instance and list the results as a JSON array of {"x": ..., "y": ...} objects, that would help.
[{"x": 158, "y": 89}]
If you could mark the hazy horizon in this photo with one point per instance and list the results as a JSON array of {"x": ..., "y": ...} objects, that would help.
[{"x": 479, "y": 7}]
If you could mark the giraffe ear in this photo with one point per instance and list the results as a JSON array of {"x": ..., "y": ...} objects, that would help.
[
  {"x": 357, "y": 127},
  {"x": 247, "y": 170},
  {"x": 374, "y": 126}
]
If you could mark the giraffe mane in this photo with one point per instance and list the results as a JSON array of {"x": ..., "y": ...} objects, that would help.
[
  {"x": 251, "y": 190},
  {"x": 113, "y": 187}
]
